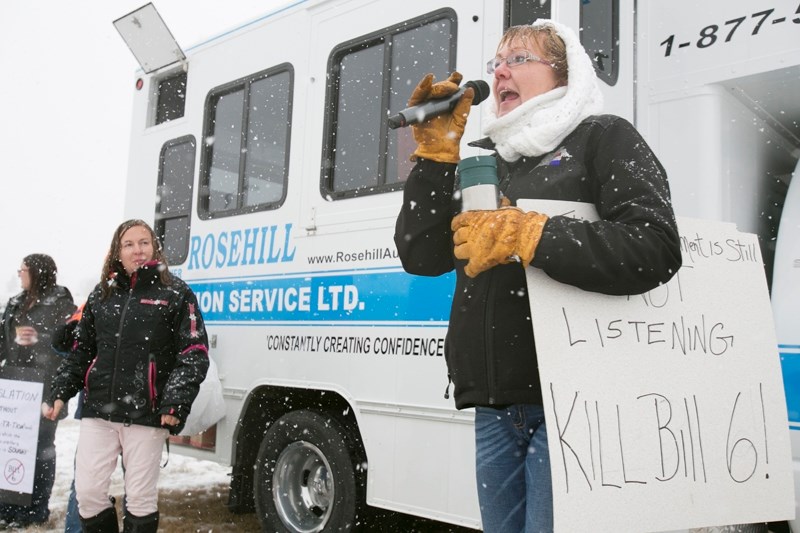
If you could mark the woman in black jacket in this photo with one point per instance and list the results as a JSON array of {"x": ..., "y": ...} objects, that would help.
[
  {"x": 550, "y": 143},
  {"x": 28, "y": 323},
  {"x": 141, "y": 354}
]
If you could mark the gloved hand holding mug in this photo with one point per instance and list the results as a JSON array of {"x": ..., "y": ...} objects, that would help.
[{"x": 494, "y": 237}]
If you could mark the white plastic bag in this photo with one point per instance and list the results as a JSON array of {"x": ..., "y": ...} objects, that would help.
[{"x": 209, "y": 406}]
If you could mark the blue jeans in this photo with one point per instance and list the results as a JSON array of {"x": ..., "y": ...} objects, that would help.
[
  {"x": 512, "y": 463},
  {"x": 73, "y": 520}
]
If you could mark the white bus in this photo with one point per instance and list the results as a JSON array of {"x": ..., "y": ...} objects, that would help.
[{"x": 264, "y": 159}]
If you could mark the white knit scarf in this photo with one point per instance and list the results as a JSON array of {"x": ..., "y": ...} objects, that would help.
[{"x": 538, "y": 125}]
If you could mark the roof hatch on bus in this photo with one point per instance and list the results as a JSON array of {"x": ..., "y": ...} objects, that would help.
[
  {"x": 153, "y": 46},
  {"x": 149, "y": 39}
]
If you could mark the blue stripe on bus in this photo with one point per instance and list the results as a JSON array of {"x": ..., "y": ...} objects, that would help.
[
  {"x": 790, "y": 364},
  {"x": 377, "y": 297},
  {"x": 371, "y": 298}
]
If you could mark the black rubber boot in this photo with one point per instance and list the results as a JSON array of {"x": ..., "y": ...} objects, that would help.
[
  {"x": 104, "y": 522},
  {"x": 140, "y": 524}
]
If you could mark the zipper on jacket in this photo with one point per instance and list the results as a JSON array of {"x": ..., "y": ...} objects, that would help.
[
  {"x": 447, "y": 389},
  {"x": 119, "y": 341},
  {"x": 86, "y": 379},
  {"x": 489, "y": 336},
  {"x": 151, "y": 378}
]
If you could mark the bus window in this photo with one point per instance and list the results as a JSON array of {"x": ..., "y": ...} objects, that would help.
[
  {"x": 246, "y": 144},
  {"x": 174, "y": 205},
  {"x": 519, "y": 12},
  {"x": 600, "y": 37},
  {"x": 371, "y": 78},
  {"x": 171, "y": 97}
]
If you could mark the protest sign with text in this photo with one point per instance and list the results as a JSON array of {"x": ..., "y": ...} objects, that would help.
[
  {"x": 20, "y": 412},
  {"x": 665, "y": 410}
]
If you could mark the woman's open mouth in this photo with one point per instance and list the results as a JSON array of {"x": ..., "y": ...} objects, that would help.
[{"x": 507, "y": 94}]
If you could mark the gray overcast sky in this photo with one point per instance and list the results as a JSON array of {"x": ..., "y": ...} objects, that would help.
[{"x": 66, "y": 85}]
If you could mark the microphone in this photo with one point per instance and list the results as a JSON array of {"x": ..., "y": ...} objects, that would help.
[{"x": 431, "y": 108}]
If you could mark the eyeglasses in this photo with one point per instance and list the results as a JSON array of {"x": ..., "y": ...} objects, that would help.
[{"x": 514, "y": 59}]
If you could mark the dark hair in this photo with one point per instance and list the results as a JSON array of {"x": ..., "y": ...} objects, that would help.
[
  {"x": 42, "y": 271},
  {"x": 110, "y": 266}
]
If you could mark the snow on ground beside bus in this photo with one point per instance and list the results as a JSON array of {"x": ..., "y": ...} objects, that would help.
[
  {"x": 192, "y": 496},
  {"x": 183, "y": 484}
]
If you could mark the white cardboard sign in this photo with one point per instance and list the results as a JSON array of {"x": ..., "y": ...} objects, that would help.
[
  {"x": 20, "y": 412},
  {"x": 665, "y": 410}
]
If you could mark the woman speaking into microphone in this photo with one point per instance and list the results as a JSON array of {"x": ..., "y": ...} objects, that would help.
[{"x": 550, "y": 141}]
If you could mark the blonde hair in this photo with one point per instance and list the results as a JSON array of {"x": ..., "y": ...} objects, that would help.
[{"x": 547, "y": 40}]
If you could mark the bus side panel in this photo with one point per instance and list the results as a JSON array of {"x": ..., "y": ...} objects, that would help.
[{"x": 785, "y": 305}]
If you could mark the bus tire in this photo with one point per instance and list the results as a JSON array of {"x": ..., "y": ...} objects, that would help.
[{"x": 304, "y": 476}]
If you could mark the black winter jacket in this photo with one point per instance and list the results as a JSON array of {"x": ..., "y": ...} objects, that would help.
[
  {"x": 141, "y": 352},
  {"x": 490, "y": 350},
  {"x": 49, "y": 313}
]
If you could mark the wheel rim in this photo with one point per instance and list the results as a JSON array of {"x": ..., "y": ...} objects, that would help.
[{"x": 303, "y": 488}]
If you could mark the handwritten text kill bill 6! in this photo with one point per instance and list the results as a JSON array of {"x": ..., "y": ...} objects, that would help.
[{"x": 666, "y": 436}]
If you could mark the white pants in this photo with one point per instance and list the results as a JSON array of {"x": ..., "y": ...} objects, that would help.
[{"x": 99, "y": 444}]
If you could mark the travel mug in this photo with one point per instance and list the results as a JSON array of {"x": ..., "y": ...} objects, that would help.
[{"x": 479, "y": 185}]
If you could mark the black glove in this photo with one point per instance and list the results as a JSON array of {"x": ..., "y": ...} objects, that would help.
[{"x": 63, "y": 338}]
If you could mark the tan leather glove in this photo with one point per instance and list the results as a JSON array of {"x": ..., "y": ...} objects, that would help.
[
  {"x": 439, "y": 137},
  {"x": 490, "y": 238}
]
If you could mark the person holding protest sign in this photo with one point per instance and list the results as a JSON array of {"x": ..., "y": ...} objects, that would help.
[
  {"x": 141, "y": 354},
  {"x": 549, "y": 142},
  {"x": 28, "y": 324}
]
